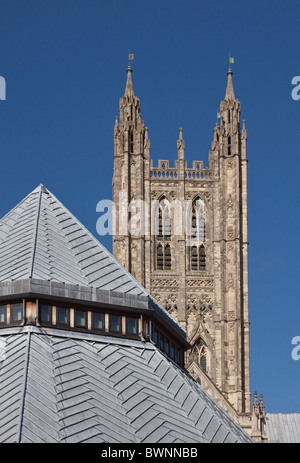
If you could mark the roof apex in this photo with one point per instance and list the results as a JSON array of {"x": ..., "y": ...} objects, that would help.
[{"x": 40, "y": 239}]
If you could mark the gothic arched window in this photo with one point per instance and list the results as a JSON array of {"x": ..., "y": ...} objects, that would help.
[
  {"x": 164, "y": 220},
  {"x": 163, "y": 237},
  {"x": 199, "y": 354},
  {"x": 196, "y": 250}
]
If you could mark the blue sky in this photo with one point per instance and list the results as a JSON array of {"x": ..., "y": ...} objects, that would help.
[{"x": 64, "y": 63}]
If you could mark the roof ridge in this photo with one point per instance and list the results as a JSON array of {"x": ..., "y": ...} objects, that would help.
[
  {"x": 106, "y": 252},
  {"x": 37, "y": 190},
  {"x": 111, "y": 256}
]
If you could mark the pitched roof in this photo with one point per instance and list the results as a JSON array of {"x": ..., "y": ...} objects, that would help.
[
  {"x": 283, "y": 427},
  {"x": 40, "y": 239},
  {"x": 78, "y": 387}
]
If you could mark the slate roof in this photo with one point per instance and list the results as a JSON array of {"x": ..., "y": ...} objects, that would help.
[
  {"x": 41, "y": 240},
  {"x": 68, "y": 386},
  {"x": 58, "y": 386},
  {"x": 283, "y": 427}
]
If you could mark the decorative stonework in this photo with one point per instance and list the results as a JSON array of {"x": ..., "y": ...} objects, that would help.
[
  {"x": 205, "y": 299},
  {"x": 164, "y": 283},
  {"x": 195, "y": 282}
]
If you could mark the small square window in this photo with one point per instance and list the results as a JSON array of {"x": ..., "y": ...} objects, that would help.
[
  {"x": 45, "y": 313},
  {"x": 63, "y": 316},
  {"x": 132, "y": 325},
  {"x": 16, "y": 313},
  {"x": 3, "y": 314},
  {"x": 80, "y": 319},
  {"x": 98, "y": 321},
  {"x": 115, "y": 323}
]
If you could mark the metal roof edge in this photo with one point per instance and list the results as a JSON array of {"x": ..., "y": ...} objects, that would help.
[
  {"x": 32, "y": 286},
  {"x": 76, "y": 294}
]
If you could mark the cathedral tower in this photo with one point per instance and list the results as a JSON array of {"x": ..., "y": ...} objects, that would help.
[{"x": 188, "y": 242}]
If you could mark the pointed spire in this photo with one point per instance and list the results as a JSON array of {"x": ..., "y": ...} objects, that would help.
[
  {"x": 129, "y": 86},
  {"x": 229, "y": 90}
]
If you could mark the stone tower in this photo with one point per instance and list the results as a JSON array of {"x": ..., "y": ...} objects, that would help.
[{"x": 182, "y": 232}]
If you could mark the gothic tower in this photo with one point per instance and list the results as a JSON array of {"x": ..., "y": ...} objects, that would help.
[{"x": 187, "y": 242}]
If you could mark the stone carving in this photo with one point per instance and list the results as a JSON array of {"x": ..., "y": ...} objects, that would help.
[
  {"x": 199, "y": 282},
  {"x": 164, "y": 283},
  {"x": 203, "y": 295}
]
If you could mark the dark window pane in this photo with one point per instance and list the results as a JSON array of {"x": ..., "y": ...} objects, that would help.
[
  {"x": 45, "y": 313},
  {"x": 16, "y": 312},
  {"x": 155, "y": 337},
  {"x": 98, "y": 321},
  {"x": 172, "y": 351},
  {"x": 3, "y": 314},
  {"x": 80, "y": 319},
  {"x": 162, "y": 342},
  {"x": 167, "y": 257},
  {"x": 202, "y": 258},
  {"x": 178, "y": 356},
  {"x": 203, "y": 362},
  {"x": 115, "y": 323},
  {"x": 167, "y": 347},
  {"x": 63, "y": 316},
  {"x": 132, "y": 325}
]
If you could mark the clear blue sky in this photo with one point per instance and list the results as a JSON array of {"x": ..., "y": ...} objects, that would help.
[{"x": 64, "y": 62}]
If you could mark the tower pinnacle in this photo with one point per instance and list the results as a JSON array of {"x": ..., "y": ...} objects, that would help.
[
  {"x": 229, "y": 90},
  {"x": 129, "y": 86}
]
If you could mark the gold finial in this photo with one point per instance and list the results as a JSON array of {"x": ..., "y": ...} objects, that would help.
[{"x": 130, "y": 58}]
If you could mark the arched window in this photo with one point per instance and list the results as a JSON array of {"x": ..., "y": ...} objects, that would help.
[
  {"x": 199, "y": 353},
  {"x": 164, "y": 220},
  {"x": 196, "y": 250},
  {"x": 163, "y": 237}
]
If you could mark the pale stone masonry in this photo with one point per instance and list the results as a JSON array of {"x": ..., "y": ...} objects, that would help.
[{"x": 204, "y": 285}]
